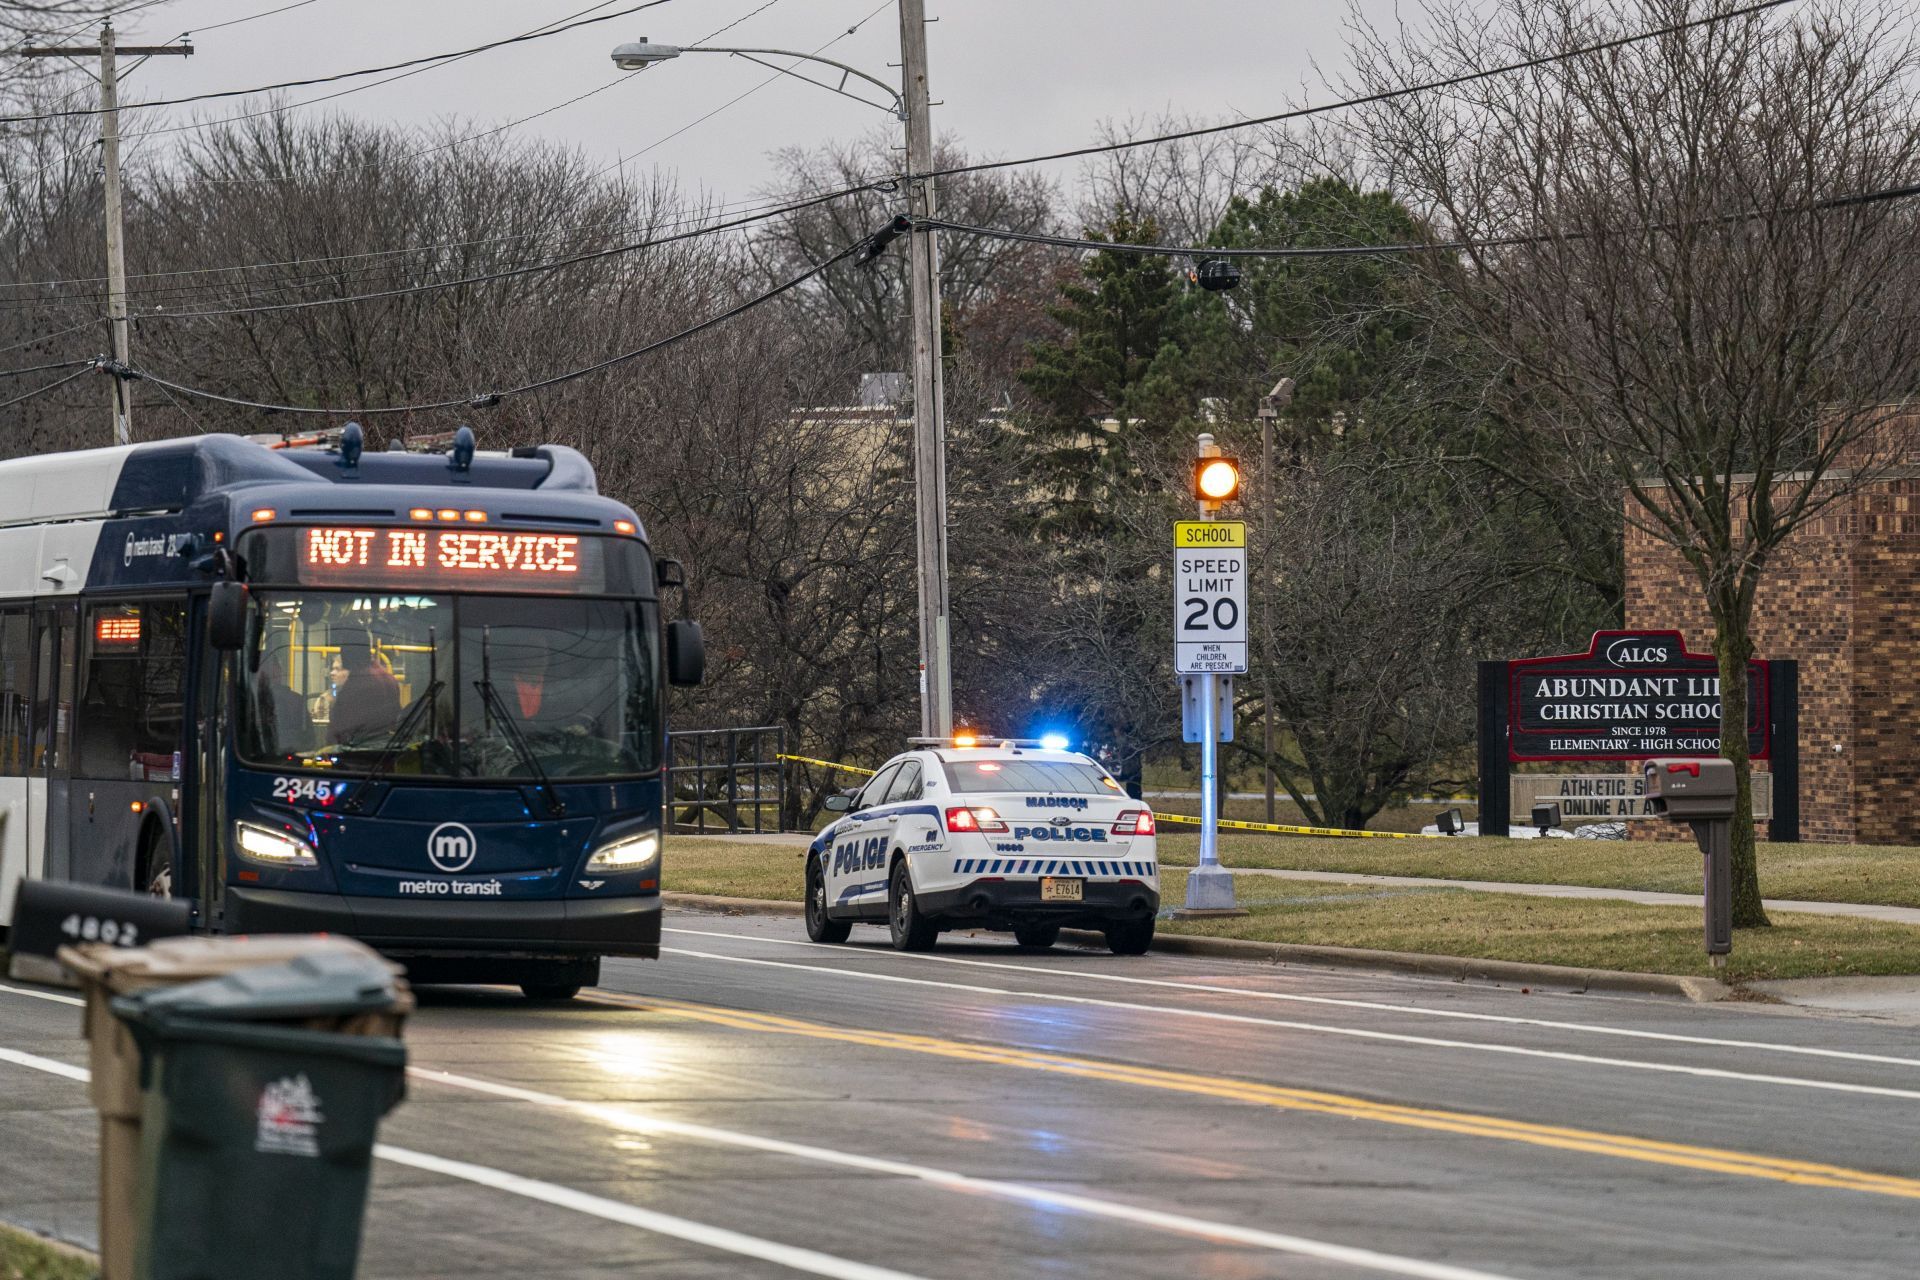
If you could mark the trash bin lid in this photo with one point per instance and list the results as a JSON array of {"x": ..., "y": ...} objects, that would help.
[
  {"x": 171, "y": 961},
  {"x": 322, "y": 981}
]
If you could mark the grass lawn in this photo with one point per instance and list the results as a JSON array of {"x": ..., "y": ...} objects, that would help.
[
  {"x": 24, "y": 1256},
  {"x": 1288, "y": 813},
  {"x": 710, "y": 864},
  {"x": 1586, "y": 934},
  {"x": 1813, "y": 872},
  {"x": 1493, "y": 926}
]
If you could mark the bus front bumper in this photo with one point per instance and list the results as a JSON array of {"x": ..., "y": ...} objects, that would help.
[{"x": 626, "y": 926}]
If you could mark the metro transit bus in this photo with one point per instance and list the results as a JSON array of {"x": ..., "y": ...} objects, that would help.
[{"x": 418, "y": 699}]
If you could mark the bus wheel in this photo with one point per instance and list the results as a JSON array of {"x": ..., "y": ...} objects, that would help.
[
  {"x": 558, "y": 979},
  {"x": 550, "y": 990},
  {"x": 155, "y": 875}
]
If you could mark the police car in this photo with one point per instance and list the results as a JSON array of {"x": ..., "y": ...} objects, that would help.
[{"x": 1007, "y": 834}]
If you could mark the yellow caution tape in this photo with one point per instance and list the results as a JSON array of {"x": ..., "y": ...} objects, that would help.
[
  {"x": 829, "y": 764},
  {"x": 1186, "y": 818},
  {"x": 1300, "y": 831}
]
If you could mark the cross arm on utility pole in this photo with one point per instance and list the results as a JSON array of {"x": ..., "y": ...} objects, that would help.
[{"x": 93, "y": 50}]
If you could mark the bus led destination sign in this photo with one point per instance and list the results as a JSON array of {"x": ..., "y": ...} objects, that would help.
[
  {"x": 498, "y": 559},
  {"x": 1633, "y": 694}
]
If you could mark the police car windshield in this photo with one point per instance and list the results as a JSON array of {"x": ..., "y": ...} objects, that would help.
[{"x": 1058, "y": 776}]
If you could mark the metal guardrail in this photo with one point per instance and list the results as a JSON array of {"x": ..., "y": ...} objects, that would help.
[{"x": 734, "y": 775}]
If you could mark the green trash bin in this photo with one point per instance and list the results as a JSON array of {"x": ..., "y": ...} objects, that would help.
[{"x": 257, "y": 1133}]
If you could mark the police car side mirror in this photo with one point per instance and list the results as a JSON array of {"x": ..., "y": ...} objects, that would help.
[
  {"x": 686, "y": 653},
  {"x": 838, "y": 802},
  {"x": 227, "y": 616}
]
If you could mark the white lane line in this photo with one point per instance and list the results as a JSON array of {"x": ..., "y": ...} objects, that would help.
[
  {"x": 48, "y": 1065},
  {"x": 1355, "y": 1033},
  {"x": 1391, "y": 1264},
  {"x": 53, "y": 996},
  {"x": 794, "y": 1258},
  {"x": 1628, "y": 1033},
  {"x": 789, "y": 1256}
]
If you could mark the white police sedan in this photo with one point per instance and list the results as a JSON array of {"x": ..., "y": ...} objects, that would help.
[{"x": 1000, "y": 835}]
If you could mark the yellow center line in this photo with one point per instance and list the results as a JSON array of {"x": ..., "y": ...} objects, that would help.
[{"x": 1593, "y": 1142}]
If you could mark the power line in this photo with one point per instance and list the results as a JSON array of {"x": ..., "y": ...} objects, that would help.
[
  {"x": 1375, "y": 250},
  {"x": 43, "y": 368},
  {"x": 489, "y": 399},
  {"x": 51, "y": 386},
  {"x": 234, "y": 22},
  {"x": 1385, "y": 95},
  {"x": 278, "y": 109},
  {"x": 431, "y": 246},
  {"x": 347, "y": 75},
  {"x": 699, "y": 120},
  {"x": 58, "y": 333},
  {"x": 491, "y": 276},
  {"x": 760, "y": 210}
]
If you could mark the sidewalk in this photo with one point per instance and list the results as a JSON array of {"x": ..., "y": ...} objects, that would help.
[{"x": 1863, "y": 910}]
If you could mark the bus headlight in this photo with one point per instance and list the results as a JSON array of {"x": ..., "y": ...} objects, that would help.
[
  {"x": 274, "y": 848},
  {"x": 634, "y": 853}
]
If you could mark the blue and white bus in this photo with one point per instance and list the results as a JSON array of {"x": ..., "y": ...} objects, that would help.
[{"x": 418, "y": 699}]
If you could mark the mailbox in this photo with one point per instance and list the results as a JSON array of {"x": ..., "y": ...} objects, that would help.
[
  {"x": 1702, "y": 793},
  {"x": 1690, "y": 790}
]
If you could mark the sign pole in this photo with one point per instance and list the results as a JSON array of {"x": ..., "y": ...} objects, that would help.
[{"x": 1210, "y": 620}]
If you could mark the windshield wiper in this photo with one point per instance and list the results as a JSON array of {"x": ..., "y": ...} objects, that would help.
[
  {"x": 555, "y": 806},
  {"x": 401, "y": 732}
]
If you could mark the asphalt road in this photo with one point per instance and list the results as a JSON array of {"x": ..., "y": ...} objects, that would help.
[{"x": 754, "y": 1106}]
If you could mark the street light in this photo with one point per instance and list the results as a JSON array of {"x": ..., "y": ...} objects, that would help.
[
  {"x": 643, "y": 53},
  {"x": 913, "y": 108}
]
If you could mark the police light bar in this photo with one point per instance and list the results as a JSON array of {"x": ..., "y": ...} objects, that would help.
[{"x": 964, "y": 740}]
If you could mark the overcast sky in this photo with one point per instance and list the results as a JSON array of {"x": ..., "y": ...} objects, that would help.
[{"x": 1016, "y": 76}]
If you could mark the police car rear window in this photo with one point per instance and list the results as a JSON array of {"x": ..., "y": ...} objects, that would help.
[{"x": 1027, "y": 775}]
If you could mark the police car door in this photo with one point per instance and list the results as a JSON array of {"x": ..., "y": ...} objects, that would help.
[{"x": 857, "y": 859}]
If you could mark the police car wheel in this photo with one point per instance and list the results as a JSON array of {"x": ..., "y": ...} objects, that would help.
[
  {"x": 1036, "y": 936},
  {"x": 911, "y": 931},
  {"x": 819, "y": 927},
  {"x": 1130, "y": 937}
]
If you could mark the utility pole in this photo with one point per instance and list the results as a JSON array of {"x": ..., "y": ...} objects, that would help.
[
  {"x": 109, "y": 79},
  {"x": 1270, "y": 406},
  {"x": 929, "y": 398}
]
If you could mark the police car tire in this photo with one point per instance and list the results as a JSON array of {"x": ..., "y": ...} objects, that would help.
[
  {"x": 911, "y": 931},
  {"x": 820, "y": 928},
  {"x": 1036, "y": 936},
  {"x": 1130, "y": 937}
]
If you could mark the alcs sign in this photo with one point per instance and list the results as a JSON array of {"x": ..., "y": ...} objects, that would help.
[{"x": 1633, "y": 694}]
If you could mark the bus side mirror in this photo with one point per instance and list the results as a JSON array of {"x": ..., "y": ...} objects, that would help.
[
  {"x": 686, "y": 653},
  {"x": 227, "y": 617}
]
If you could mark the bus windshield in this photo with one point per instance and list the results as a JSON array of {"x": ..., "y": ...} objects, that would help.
[{"x": 444, "y": 686}]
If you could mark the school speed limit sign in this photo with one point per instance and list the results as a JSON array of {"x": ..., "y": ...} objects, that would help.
[{"x": 1209, "y": 597}]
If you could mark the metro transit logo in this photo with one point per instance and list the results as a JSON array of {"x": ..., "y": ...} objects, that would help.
[{"x": 452, "y": 847}]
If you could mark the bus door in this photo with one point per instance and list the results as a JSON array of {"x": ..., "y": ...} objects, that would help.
[
  {"x": 16, "y": 702},
  {"x": 48, "y": 846},
  {"x": 205, "y": 792}
]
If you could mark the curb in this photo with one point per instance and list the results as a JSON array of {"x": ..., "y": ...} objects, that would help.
[
  {"x": 1459, "y": 968},
  {"x": 733, "y": 906}
]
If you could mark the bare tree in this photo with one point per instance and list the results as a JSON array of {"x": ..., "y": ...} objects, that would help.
[
  {"x": 1369, "y": 623},
  {"x": 1186, "y": 184},
  {"x": 868, "y": 304},
  {"x": 1679, "y": 248}
]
